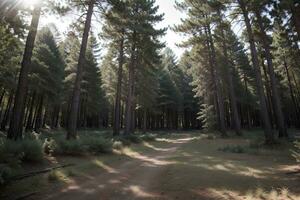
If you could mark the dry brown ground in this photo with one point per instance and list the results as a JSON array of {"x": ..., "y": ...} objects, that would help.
[{"x": 181, "y": 166}]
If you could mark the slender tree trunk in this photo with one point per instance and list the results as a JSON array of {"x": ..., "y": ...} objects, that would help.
[
  {"x": 144, "y": 120},
  {"x": 2, "y": 97},
  {"x": 274, "y": 84},
  {"x": 73, "y": 116},
  {"x": 7, "y": 111},
  {"x": 16, "y": 125},
  {"x": 269, "y": 137},
  {"x": 116, "y": 128},
  {"x": 29, "y": 119},
  {"x": 295, "y": 10},
  {"x": 220, "y": 100},
  {"x": 2, "y": 102},
  {"x": 38, "y": 119},
  {"x": 45, "y": 115},
  {"x": 130, "y": 95},
  {"x": 268, "y": 93}
]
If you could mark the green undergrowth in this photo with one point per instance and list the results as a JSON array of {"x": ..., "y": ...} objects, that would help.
[{"x": 34, "y": 148}]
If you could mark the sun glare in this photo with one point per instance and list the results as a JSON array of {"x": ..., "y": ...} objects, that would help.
[{"x": 30, "y": 3}]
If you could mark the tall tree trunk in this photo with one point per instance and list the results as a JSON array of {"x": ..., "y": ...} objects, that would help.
[
  {"x": 30, "y": 116},
  {"x": 269, "y": 137},
  {"x": 144, "y": 120},
  {"x": 7, "y": 111},
  {"x": 38, "y": 118},
  {"x": 297, "y": 110},
  {"x": 16, "y": 125},
  {"x": 228, "y": 71},
  {"x": 295, "y": 10},
  {"x": 220, "y": 100},
  {"x": 45, "y": 115},
  {"x": 274, "y": 84},
  {"x": 2, "y": 102},
  {"x": 116, "y": 128},
  {"x": 268, "y": 92},
  {"x": 73, "y": 116},
  {"x": 130, "y": 95}
]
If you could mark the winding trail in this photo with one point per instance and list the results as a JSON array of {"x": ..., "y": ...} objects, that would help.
[{"x": 184, "y": 167}]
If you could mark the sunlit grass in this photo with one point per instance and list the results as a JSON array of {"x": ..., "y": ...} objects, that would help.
[{"x": 109, "y": 169}]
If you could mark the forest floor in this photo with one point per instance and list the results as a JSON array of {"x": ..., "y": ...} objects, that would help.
[{"x": 181, "y": 166}]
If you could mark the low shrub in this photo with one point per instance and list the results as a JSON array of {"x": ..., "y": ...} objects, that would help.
[
  {"x": 13, "y": 153},
  {"x": 97, "y": 144},
  {"x": 148, "y": 137},
  {"x": 33, "y": 150},
  {"x": 133, "y": 138},
  {"x": 233, "y": 149},
  {"x": 118, "y": 145},
  {"x": 256, "y": 143},
  {"x": 49, "y": 146},
  {"x": 123, "y": 140},
  {"x": 88, "y": 144},
  {"x": 68, "y": 147},
  {"x": 29, "y": 150},
  {"x": 211, "y": 137},
  {"x": 5, "y": 173},
  {"x": 53, "y": 176}
]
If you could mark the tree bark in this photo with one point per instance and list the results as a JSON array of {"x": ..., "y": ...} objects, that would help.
[
  {"x": 7, "y": 111},
  {"x": 295, "y": 10},
  {"x": 145, "y": 121},
  {"x": 116, "y": 128},
  {"x": 220, "y": 100},
  {"x": 30, "y": 116},
  {"x": 274, "y": 84},
  {"x": 73, "y": 116},
  {"x": 38, "y": 119},
  {"x": 228, "y": 71},
  {"x": 130, "y": 95},
  {"x": 269, "y": 137},
  {"x": 297, "y": 111},
  {"x": 16, "y": 125}
]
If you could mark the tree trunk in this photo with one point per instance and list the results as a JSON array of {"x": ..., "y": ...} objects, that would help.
[
  {"x": 297, "y": 111},
  {"x": 269, "y": 137},
  {"x": 73, "y": 116},
  {"x": 268, "y": 93},
  {"x": 274, "y": 84},
  {"x": 2, "y": 102},
  {"x": 45, "y": 115},
  {"x": 144, "y": 121},
  {"x": 220, "y": 100},
  {"x": 295, "y": 11},
  {"x": 30, "y": 116},
  {"x": 228, "y": 71},
  {"x": 7, "y": 111},
  {"x": 38, "y": 118},
  {"x": 129, "y": 103},
  {"x": 116, "y": 128},
  {"x": 16, "y": 125}
]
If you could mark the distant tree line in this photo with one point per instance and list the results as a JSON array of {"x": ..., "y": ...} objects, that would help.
[{"x": 221, "y": 82}]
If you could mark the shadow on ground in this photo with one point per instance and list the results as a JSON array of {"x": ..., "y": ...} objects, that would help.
[{"x": 181, "y": 166}]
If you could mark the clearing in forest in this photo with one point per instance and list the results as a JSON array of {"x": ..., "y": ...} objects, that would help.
[{"x": 176, "y": 166}]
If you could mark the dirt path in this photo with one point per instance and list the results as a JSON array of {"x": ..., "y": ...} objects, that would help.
[
  {"x": 140, "y": 177},
  {"x": 182, "y": 168}
]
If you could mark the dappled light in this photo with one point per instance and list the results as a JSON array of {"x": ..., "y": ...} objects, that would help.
[
  {"x": 149, "y": 100},
  {"x": 256, "y": 194},
  {"x": 105, "y": 167},
  {"x": 136, "y": 155},
  {"x": 176, "y": 167},
  {"x": 139, "y": 192}
]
